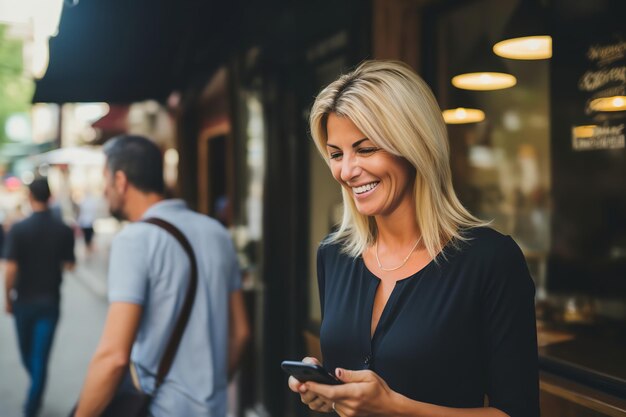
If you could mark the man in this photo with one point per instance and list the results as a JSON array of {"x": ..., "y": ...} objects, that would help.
[
  {"x": 37, "y": 249},
  {"x": 148, "y": 279}
]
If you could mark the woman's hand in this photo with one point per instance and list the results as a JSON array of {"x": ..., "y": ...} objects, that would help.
[
  {"x": 307, "y": 397},
  {"x": 363, "y": 393}
]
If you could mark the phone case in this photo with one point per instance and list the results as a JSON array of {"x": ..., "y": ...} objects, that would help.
[{"x": 305, "y": 372}]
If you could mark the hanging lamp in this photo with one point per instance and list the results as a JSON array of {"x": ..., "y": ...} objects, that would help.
[
  {"x": 483, "y": 71},
  {"x": 463, "y": 109},
  {"x": 462, "y": 115},
  {"x": 525, "y": 35}
]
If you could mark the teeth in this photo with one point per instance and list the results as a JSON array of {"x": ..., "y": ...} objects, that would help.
[{"x": 364, "y": 188}]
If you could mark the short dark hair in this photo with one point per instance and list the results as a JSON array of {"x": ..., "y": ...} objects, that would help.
[
  {"x": 40, "y": 190},
  {"x": 139, "y": 158}
]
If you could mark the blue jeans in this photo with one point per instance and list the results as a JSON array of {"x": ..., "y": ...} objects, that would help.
[{"x": 35, "y": 322}]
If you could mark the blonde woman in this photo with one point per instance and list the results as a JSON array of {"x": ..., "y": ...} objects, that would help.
[{"x": 426, "y": 312}]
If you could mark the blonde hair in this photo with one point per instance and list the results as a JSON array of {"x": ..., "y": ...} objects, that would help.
[{"x": 392, "y": 106}]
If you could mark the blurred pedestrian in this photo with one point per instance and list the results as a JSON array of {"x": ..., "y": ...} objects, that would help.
[
  {"x": 87, "y": 214},
  {"x": 36, "y": 251},
  {"x": 148, "y": 280}
]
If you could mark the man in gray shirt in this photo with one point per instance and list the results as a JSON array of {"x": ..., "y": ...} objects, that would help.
[{"x": 148, "y": 278}]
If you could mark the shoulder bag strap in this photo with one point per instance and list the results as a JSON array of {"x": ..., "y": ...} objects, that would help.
[{"x": 181, "y": 323}]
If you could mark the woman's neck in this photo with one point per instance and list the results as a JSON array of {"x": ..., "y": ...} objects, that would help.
[{"x": 399, "y": 228}]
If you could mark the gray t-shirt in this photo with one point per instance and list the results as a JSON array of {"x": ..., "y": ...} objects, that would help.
[{"x": 150, "y": 268}]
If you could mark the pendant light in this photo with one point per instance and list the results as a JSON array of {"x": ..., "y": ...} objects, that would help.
[
  {"x": 483, "y": 71},
  {"x": 525, "y": 35},
  {"x": 462, "y": 115},
  {"x": 463, "y": 110}
]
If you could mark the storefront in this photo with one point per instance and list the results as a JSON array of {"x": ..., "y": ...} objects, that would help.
[{"x": 546, "y": 160}]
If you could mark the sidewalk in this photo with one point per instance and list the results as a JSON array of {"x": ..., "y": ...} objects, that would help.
[{"x": 91, "y": 267}]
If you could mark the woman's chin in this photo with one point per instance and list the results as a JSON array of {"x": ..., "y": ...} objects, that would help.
[{"x": 366, "y": 210}]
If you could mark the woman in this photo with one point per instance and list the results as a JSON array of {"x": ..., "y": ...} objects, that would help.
[{"x": 426, "y": 312}]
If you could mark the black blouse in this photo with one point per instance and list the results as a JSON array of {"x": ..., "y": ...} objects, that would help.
[{"x": 450, "y": 334}]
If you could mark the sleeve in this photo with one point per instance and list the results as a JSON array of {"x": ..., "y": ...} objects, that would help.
[
  {"x": 68, "y": 252},
  {"x": 510, "y": 334},
  {"x": 234, "y": 282},
  {"x": 128, "y": 267},
  {"x": 11, "y": 244},
  {"x": 321, "y": 278}
]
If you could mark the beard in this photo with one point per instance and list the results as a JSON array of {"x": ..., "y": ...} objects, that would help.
[
  {"x": 117, "y": 211},
  {"x": 118, "y": 214}
]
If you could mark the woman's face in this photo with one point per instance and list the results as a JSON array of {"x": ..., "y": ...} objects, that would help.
[{"x": 378, "y": 181}]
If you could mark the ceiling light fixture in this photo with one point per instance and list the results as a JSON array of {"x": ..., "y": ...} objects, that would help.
[
  {"x": 462, "y": 115},
  {"x": 525, "y": 35},
  {"x": 483, "y": 71}
]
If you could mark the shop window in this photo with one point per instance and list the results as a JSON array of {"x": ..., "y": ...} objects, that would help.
[{"x": 546, "y": 162}]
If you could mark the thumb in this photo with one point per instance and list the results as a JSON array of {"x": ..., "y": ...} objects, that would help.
[{"x": 346, "y": 375}]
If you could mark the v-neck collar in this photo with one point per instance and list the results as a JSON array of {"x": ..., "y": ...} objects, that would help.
[{"x": 369, "y": 341}]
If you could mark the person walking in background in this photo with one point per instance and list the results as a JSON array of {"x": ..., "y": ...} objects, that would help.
[
  {"x": 87, "y": 214},
  {"x": 148, "y": 280},
  {"x": 36, "y": 251},
  {"x": 425, "y": 310}
]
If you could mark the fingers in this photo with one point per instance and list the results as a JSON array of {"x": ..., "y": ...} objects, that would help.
[
  {"x": 353, "y": 383},
  {"x": 311, "y": 360},
  {"x": 308, "y": 397},
  {"x": 294, "y": 384},
  {"x": 318, "y": 404},
  {"x": 346, "y": 375},
  {"x": 330, "y": 392},
  {"x": 313, "y": 401}
]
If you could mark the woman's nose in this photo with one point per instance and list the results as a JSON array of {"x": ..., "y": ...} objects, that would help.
[{"x": 350, "y": 168}]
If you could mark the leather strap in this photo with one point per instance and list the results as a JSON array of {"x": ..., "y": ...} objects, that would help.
[{"x": 183, "y": 318}]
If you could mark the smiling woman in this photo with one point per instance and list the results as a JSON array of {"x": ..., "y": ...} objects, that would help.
[
  {"x": 393, "y": 108},
  {"x": 377, "y": 180},
  {"x": 425, "y": 311}
]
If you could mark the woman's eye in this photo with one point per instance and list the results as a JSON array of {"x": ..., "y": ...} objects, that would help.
[
  {"x": 367, "y": 151},
  {"x": 335, "y": 155}
]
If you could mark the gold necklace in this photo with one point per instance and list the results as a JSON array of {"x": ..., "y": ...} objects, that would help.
[{"x": 403, "y": 262}]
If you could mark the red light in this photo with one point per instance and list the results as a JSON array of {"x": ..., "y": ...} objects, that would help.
[{"x": 12, "y": 183}]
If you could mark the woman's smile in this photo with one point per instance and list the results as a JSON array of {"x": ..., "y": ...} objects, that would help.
[{"x": 365, "y": 190}]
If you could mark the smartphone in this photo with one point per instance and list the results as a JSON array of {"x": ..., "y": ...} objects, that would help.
[{"x": 305, "y": 372}]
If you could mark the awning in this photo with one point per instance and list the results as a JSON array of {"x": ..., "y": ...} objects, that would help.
[
  {"x": 114, "y": 123},
  {"x": 13, "y": 151},
  {"x": 103, "y": 52},
  {"x": 78, "y": 155},
  {"x": 121, "y": 51}
]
